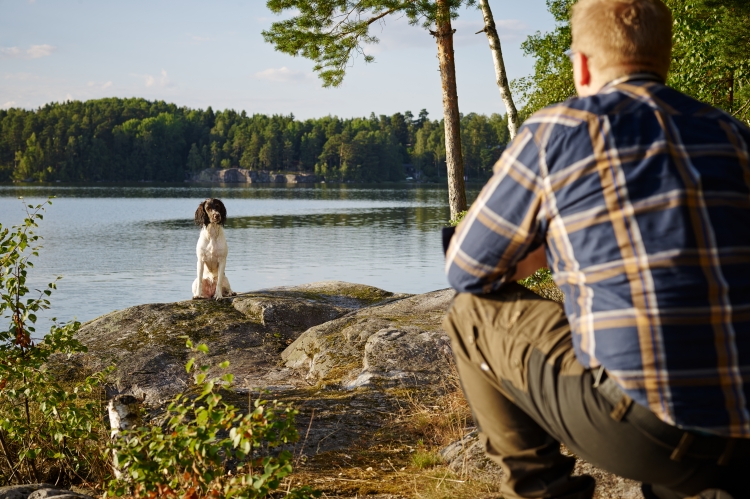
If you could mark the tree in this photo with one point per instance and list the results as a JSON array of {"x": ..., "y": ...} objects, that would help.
[
  {"x": 30, "y": 162},
  {"x": 497, "y": 59},
  {"x": 552, "y": 80},
  {"x": 331, "y": 32},
  {"x": 711, "y": 55},
  {"x": 134, "y": 139},
  {"x": 710, "y": 58}
]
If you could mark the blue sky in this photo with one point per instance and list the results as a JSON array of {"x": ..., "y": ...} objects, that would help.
[{"x": 201, "y": 53}]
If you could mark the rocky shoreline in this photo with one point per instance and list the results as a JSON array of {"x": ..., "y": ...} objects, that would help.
[
  {"x": 244, "y": 176},
  {"x": 358, "y": 362}
]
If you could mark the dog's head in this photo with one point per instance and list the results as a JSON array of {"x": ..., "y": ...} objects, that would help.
[{"x": 210, "y": 211}]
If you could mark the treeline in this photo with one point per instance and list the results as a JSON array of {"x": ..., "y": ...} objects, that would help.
[{"x": 135, "y": 140}]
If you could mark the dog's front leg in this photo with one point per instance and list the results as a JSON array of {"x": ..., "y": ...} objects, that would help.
[
  {"x": 220, "y": 278},
  {"x": 198, "y": 285}
]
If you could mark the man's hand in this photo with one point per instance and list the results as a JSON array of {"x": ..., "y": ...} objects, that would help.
[{"x": 531, "y": 263}]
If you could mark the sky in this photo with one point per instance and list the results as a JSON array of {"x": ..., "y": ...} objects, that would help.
[{"x": 211, "y": 53}]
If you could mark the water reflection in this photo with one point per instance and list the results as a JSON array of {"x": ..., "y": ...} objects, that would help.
[
  {"x": 424, "y": 218},
  {"x": 423, "y": 193}
]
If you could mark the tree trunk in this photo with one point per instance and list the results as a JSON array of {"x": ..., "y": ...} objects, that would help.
[
  {"x": 497, "y": 58},
  {"x": 453, "y": 159},
  {"x": 123, "y": 415}
]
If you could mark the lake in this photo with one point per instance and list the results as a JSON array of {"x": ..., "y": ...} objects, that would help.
[{"x": 122, "y": 245}]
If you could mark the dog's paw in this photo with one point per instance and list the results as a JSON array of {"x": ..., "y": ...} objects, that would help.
[
  {"x": 218, "y": 296},
  {"x": 198, "y": 298}
]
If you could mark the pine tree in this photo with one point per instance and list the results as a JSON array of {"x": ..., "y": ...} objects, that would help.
[{"x": 331, "y": 32}]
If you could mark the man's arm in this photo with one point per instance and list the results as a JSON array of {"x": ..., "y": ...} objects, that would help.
[{"x": 502, "y": 237}]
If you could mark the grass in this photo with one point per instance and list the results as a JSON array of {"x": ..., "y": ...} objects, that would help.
[
  {"x": 402, "y": 458},
  {"x": 422, "y": 459},
  {"x": 440, "y": 421}
]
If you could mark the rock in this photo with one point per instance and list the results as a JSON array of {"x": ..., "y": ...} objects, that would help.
[
  {"x": 21, "y": 491},
  {"x": 345, "y": 355},
  {"x": 146, "y": 342},
  {"x": 39, "y": 491},
  {"x": 467, "y": 458},
  {"x": 244, "y": 176},
  {"x": 294, "y": 313},
  {"x": 408, "y": 356},
  {"x": 400, "y": 341},
  {"x": 57, "y": 494}
]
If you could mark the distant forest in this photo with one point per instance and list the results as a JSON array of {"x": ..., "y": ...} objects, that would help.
[{"x": 135, "y": 139}]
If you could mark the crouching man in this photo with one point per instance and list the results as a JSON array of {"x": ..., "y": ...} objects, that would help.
[{"x": 638, "y": 199}]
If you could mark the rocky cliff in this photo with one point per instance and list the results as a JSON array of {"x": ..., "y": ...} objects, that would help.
[{"x": 243, "y": 176}]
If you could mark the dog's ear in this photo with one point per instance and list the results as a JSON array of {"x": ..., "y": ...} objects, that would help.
[
  {"x": 201, "y": 217},
  {"x": 222, "y": 210}
]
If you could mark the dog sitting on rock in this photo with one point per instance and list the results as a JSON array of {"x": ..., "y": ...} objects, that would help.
[{"x": 211, "y": 251}]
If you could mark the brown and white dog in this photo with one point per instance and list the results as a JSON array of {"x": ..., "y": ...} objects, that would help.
[{"x": 211, "y": 251}]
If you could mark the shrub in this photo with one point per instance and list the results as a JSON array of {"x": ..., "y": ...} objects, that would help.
[
  {"x": 203, "y": 437},
  {"x": 48, "y": 431}
]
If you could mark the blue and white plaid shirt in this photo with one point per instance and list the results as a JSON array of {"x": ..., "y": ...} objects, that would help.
[{"x": 642, "y": 197}]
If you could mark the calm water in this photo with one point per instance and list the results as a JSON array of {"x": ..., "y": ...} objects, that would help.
[{"x": 118, "y": 246}]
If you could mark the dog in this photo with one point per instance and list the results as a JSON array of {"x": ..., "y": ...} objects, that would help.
[{"x": 211, "y": 251}]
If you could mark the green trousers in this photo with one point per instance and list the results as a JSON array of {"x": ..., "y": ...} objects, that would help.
[{"x": 528, "y": 393}]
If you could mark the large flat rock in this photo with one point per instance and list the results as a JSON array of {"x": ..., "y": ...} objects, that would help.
[{"x": 146, "y": 343}]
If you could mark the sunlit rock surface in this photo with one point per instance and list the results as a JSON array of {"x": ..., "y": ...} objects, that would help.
[{"x": 349, "y": 356}]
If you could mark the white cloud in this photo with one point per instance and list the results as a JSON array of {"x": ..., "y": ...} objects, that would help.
[
  {"x": 282, "y": 75},
  {"x": 99, "y": 85},
  {"x": 164, "y": 81},
  {"x": 33, "y": 52},
  {"x": 10, "y": 52},
  {"x": 37, "y": 51},
  {"x": 151, "y": 81},
  {"x": 8, "y": 105}
]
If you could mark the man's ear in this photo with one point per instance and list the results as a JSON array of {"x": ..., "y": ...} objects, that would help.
[{"x": 581, "y": 73}]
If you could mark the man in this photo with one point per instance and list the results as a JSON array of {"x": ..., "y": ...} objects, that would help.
[{"x": 638, "y": 198}]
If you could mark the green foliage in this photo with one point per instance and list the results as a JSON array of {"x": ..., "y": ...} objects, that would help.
[
  {"x": 134, "y": 139},
  {"x": 552, "y": 80},
  {"x": 201, "y": 438},
  {"x": 331, "y": 32},
  {"x": 540, "y": 278},
  {"x": 459, "y": 217},
  {"x": 48, "y": 431},
  {"x": 710, "y": 59},
  {"x": 711, "y": 55}
]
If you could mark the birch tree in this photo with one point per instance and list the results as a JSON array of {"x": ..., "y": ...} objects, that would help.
[{"x": 497, "y": 59}]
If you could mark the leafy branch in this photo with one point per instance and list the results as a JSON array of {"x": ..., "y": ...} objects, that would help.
[{"x": 330, "y": 32}]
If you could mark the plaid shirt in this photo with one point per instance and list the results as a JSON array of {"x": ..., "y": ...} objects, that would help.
[{"x": 642, "y": 197}]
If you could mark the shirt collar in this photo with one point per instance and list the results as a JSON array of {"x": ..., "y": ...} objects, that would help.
[{"x": 633, "y": 77}]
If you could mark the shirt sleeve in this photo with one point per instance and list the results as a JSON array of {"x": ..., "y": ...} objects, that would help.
[{"x": 503, "y": 225}]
